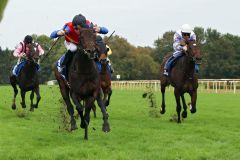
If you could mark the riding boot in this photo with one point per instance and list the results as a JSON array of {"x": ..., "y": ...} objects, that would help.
[
  {"x": 67, "y": 58},
  {"x": 167, "y": 65}
]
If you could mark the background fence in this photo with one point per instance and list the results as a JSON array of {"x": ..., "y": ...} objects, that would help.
[{"x": 205, "y": 85}]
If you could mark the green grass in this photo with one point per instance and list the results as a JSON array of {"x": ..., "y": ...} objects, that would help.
[{"x": 212, "y": 133}]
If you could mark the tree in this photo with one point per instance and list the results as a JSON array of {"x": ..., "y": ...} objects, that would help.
[{"x": 3, "y": 4}]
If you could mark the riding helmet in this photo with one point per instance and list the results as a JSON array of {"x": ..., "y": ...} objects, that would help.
[
  {"x": 28, "y": 39},
  {"x": 79, "y": 20}
]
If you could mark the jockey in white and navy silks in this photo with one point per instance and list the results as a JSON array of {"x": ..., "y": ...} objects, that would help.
[
  {"x": 184, "y": 34},
  {"x": 71, "y": 31},
  {"x": 22, "y": 50}
]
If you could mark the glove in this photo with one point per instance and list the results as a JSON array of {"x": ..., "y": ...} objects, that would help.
[
  {"x": 96, "y": 28},
  {"x": 182, "y": 43},
  {"x": 61, "y": 33},
  {"x": 22, "y": 54},
  {"x": 184, "y": 48}
]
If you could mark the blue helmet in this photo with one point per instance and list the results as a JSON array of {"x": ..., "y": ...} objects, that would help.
[{"x": 79, "y": 20}]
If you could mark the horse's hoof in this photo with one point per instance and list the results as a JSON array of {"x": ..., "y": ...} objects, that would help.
[
  {"x": 23, "y": 105},
  {"x": 162, "y": 111},
  {"x": 193, "y": 110},
  {"x": 14, "y": 106},
  {"x": 31, "y": 109},
  {"x": 35, "y": 106},
  {"x": 106, "y": 128},
  {"x": 73, "y": 127},
  {"x": 184, "y": 114}
]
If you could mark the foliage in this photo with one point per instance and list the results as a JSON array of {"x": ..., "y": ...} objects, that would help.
[
  {"x": 221, "y": 56},
  {"x": 3, "y": 4}
]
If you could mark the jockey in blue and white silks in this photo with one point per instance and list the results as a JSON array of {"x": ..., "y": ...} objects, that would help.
[{"x": 184, "y": 34}]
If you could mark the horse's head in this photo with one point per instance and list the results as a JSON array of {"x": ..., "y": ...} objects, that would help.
[
  {"x": 194, "y": 52},
  {"x": 33, "y": 54},
  {"x": 102, "y": 50},
  {"x": 88, "y": 42}
]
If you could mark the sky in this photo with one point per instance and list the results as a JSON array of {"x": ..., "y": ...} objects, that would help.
[{"x": 141, "y": 22}]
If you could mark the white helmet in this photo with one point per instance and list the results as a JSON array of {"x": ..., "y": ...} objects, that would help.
[
  {"x": 186, "y": 28},
  {"x": 109, "y": 50}
]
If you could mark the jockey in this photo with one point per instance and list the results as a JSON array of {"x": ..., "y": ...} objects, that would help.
[
  {"x": 105, "y": 48},
  {"x": 23, "y": 50},
  {"x": 71, "y": 31},
  {"x": 180, "y": 37}
]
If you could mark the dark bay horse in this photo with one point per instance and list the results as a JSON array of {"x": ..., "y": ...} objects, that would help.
[
  {"x": 105, "y": 81},
  {"x": 84, "y": 83},
  {"x": 104, "y": 74},
  {"x": 183, "y": 78},
  {"x": 27, "y": 81}
]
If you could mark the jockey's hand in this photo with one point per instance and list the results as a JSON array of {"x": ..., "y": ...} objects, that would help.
[
  {"x": 23, "y": 54},
  {"x": 184, "y": 48},
  {"x": 61, "y": 33},
  {"x": 182, "y": 43},
  {"x": 96, "y": 28}
]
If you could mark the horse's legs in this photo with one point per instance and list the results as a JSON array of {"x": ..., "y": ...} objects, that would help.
[
  {"x": 109, "y": 96},
  {"x": 23, "y": 93},
  {"x": 89, "y": 104},
  {"x": 36, "y": 90},
  {"x": 178, "y": 108},
  {"x": 65, "y": 94},
  {"x": 94, "y": 110},
  {"x": 106, "y": 127},
  {"x": 184, "y": 113},
  {"x": 31, "y": 98},
  {"x": 79, "y": 108},
  {"x": 192, "y": 106},
  {"x": 13, "y": 82},
  {"x": 163, "y": 88}
]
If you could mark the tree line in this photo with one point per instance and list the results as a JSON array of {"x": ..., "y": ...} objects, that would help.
[{"x": 221, "y": 56}]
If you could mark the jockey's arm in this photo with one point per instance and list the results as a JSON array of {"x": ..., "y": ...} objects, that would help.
[
  {"x": 40, "y": 50},
  {"x": 60, "y": 32},
  {"x": 97, "y": 29},
  {"x": 177, "y": 43},
  {"x": 18, "y": 51}
]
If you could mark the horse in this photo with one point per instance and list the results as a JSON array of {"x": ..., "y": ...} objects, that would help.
[
  {"x": 104, "y": 74},
  {"x": 183, "y": 78},
  {"x": 84, "y": 83},
  {"x": 27, "y": 80},
  {"x": 105, "y": 81}
]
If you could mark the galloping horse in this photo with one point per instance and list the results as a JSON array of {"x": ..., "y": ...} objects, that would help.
[
  {"x": 104, "y": 74},
  {"x": 27, "y": 81},
  {"x": 183, "y": 78},
  {"x": 105, "y": 81},
  {"x": 84, "y": 83}
]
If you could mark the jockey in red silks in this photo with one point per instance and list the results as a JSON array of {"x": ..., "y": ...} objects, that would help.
[
  {"x": 71, "y": 31},
  {"x": 184, "y": 34},
  {"x": 23, "y": 50}
]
